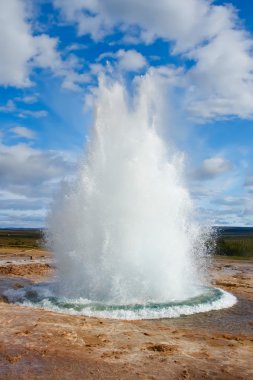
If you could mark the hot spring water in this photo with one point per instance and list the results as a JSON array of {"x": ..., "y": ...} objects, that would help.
[{"x": 123, "y": 232}]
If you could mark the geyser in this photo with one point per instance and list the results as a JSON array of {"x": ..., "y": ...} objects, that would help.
[{"x": 123, "y": 231}]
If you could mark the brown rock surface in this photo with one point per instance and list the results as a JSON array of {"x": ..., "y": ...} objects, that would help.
[{"x": 38, "y": 344}]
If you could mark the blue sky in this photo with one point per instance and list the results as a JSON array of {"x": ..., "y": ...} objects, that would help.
[{"x": 52, "y": 54}]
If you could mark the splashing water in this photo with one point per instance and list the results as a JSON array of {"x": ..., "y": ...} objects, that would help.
[{"x": 123, "y": 232}]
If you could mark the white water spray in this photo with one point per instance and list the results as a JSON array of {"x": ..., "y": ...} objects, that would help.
[{"x": 123, "y": 232}]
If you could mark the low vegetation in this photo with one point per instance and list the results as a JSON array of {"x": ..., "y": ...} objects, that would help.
[
  {"x": 21, "y": 238},
  {"x": 242, "y": 247},
  {"x": 234, "y": 241}
]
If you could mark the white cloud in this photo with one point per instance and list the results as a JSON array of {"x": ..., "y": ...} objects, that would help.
[
  {"x": 130, "y": 60},
  {"x": 46, "y": 54},
  {"x": 76, "y": 46},
  {"x": 25, "y": 214},
  {"x": 168, "y": 19},
  {"x": 220, "y": 82},
  {"x": 22, "y": 51},
  {"x": 216, "y": 187},
  {"x": 16, "y": 44},
  {"x": 10, "y": 106},
  {"x": 21, "y": 164},
  {"x": 28, "y": 179},
  {"x": 27, "y": 99},
  {"x": 186, "y": 22},
  {"x": 216, "y": 207},
  {"x": 212, "y": 167},
  {"x": 32, "y": 113},
  {"x": 222, "y": 76},
  {"x": 96, "y": 68},
  {"x": 73, "y": 80},
  {"x": 127, "y": 60},
  {"x": 24, "y": 132}
]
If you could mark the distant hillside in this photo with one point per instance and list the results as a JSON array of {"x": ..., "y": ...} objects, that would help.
[{"x": 234, "y": 231}]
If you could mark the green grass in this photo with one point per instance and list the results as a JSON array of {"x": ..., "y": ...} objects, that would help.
[
  {"x": 235, "y": 247},
  {"x": 28, "y": 238}
]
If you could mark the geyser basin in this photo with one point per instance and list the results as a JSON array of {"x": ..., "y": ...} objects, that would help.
[
  {"x": 124, "y": 232},
  {"x": 41, "y": 296}
]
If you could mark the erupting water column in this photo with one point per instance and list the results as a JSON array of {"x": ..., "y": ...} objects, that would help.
[{"x": 123, "y": 231}]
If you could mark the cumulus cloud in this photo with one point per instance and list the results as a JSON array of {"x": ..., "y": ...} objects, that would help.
[
  {"x": 73, "y": 80},
  {"x": 130, "y": 60},
  {"x": 220, "y": 81},
  {"x": 21, "y": 164},
  {"x": 17, "y": 44},
  {"x": 212, "y": 167},
  {"x": 23, "y": 50},
  {"x": 178, "y": 21},
  {"x": 127, "y": 60},
  {"x": 28, "y": 179},
  {"x": 223, "y": 76},
  {"x": 23, "y": 132},
  {"x": 47, "y": 56}
]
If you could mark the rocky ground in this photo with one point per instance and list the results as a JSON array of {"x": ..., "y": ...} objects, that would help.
[{"x": 38, "y": 344}]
